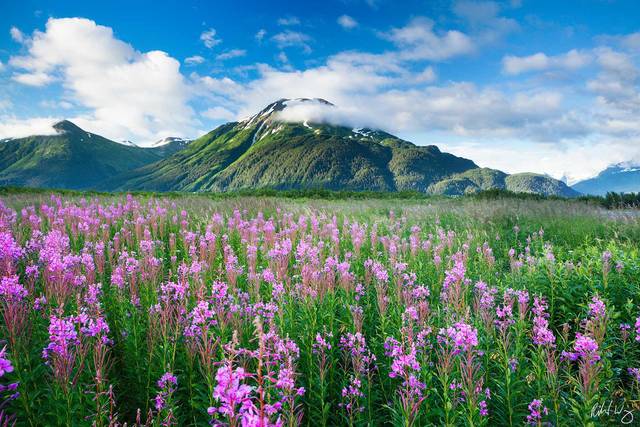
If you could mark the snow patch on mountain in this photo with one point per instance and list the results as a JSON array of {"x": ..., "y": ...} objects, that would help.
[{"x": 169, "y": 140}]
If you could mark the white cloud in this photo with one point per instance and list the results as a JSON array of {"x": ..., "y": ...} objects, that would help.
[
  {"x": 127, "y": 94},
  {"x": 572, "y": 60},
  {"x": 11, "y": 127},
  {"x": 347, "y": 22},
  {"x": 17, "y": 35},
  {"x": 521, "y": 64},
  {"x": 282, "y": 57},
  {"x": 194, "y": 60},
  {"x": 209, "y": 39},
  {"x": 218, "y": 113},
  {"x": 484, "y": 20},
  {"x": 230, "y": 54},
  {"x": 574, "y": 162},
  {"x": 418, "y": 41},
  {"x": 292, "y": 39},
  {"x": 261, "y": 34},
  {"x": 33, "y": 79},
  {"x": 289, "y": 21},
  {"x": 428, "y": 75},
  {"x": 65, "y": 105}
]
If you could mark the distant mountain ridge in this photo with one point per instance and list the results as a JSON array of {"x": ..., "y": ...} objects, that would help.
[
  {"x": 617, "y": 178},
  {"x": 71, "y": 158},
  {"x": 271, "y": 149}
]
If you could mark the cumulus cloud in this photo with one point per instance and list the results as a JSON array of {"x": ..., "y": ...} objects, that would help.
[
  {"x": 418, "y": 41},
  {"x": 485, "y": 20},
  {"x": 347, "y": 22},
  {"x": 33, "y": 79},
  {"x": 368, "y": 92},
  {"x": 230, "y": 54},
  {"x": 260, "y": 35},
  {"x": 17, "y": 35},
  {"x": 218, "y": 113},
  {"x": 127, "y": 94},
  {"x": 572, "y": 60},
  {"x": 12, "y": 127},
  {"x": 290, "y": 38},
  {"x": 209, "y": 39},
  {"x": 194, "y": 60}
]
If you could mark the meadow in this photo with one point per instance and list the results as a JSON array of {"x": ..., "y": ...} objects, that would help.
[{"x": 268, "y": 311}]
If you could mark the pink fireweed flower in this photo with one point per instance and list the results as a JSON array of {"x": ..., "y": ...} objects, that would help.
[
  {"x": 484, "y": 410},
  {"x": 405, "y": 366},
  {"x": 11, "y": 290},
  {"x": 10, "y": 253},
  {"x": 454, "y": 278},
  {"x": 637, "y": 326},
  {"x": 504, "y": 316},
  {"x": 64, "y": 344},
  {"x": 234, "y": 396},
  {"x": 167, "y": 385},
  {"x": 351, "y": 395},
  {"x": 200, "y": 318},
  {"x": 585, "y": 349},
  {"x": 624, "y": 331},
  {"x": 461, "y": 336},
  {"x": 536, "y": 412},
  {"x": 63, "y": 336},
  {"x": 322, "y": 342},
  {"x": 5, "y": 363},
  {"x": 597, "y": 308},
  {"x": 542, "y": 335},
  {"x": 355, "y": 346},
  {"x": 523, "y": 303}
]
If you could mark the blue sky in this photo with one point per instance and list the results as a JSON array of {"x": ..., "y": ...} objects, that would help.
[{"x": 544, "y": 86}]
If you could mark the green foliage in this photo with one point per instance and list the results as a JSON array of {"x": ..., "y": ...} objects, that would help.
[{"x": 484, "y": 179}]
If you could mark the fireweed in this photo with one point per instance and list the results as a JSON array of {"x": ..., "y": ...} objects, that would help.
[{"x": 246, "y": 312}]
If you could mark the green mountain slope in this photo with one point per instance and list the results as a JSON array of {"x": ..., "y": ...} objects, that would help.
[
  {"x": 481, "y": 179},
  {"x": 264, "y": 151},
  {"x": 72, "y": 158},
  {"x": 267, "y": 150}
]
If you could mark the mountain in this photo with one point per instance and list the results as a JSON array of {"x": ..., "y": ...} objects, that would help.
[
  {"x": 475, "y": 180},
  {"x": 266, "y": 151},
  {"x": 71, "y": 158},
  {"x": 275, "y": 148},
  {"x": 169, "y": 145},
  {"x": 618, "y": 178}
]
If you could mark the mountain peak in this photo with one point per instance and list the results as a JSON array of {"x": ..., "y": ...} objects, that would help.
[
  {"x": 273, "y": 109},
  {"x": 66, "y": 126},
  {"x": 169, "y": 140}
]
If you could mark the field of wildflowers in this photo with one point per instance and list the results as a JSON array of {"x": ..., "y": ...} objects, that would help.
[{"x": 262, "y": 311}]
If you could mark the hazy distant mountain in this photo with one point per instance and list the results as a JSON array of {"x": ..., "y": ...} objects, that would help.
[
  {"x": 619, "y": 178},
  {"x": 71, "y": 158}
]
